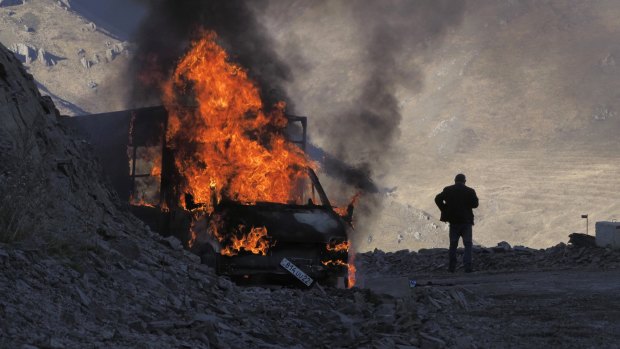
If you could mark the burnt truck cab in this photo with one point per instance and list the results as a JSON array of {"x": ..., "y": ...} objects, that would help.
[
  {"x": 131, "y": 147},
  {"x": 311, "y": 236}
]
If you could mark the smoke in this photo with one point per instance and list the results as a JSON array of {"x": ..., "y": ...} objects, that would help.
[
  {"x": 169, "y": 27},
  {"x": 356, "y": 113},
  {"x": 353, "y": 61},
  {"x": 393, "y": 32}
]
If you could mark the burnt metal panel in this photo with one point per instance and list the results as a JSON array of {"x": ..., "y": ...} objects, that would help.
[
  {"x": 285, "y": 222},
  {"x": 108, "y": 133}
]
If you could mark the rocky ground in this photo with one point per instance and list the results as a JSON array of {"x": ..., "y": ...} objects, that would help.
[
  {"x": 503, "y": 257},
  {"x": 565, "y": 296},
  {"x": 129, "y": 293}
]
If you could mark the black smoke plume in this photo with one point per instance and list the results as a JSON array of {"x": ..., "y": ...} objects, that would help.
[
  {"x": 169, "y": 27},
  {"x": 392, "y": 32}
]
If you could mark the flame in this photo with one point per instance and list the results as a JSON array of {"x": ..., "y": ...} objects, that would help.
[
  {"x": 343, "y": 246},
  {"x": 334, "y": 263},
  {"x": 229, "y": 137},
  {"x": 343, "y": 211},
  {"x": 255, "y": 241},
  {"x": 352, "y": 269}
]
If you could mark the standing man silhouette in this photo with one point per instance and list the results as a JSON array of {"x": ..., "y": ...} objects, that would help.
[{"x": 456, "y": 203}]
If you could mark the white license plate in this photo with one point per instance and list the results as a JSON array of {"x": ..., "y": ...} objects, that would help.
[{"x": 292, "y": 268}]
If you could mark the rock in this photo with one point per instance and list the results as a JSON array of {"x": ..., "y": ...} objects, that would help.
[
  {"x": 106, "y": 335},
  {"x": 194, "y": 258},
  {"x": 55, "y": 343},
  {"x": 3, "y": 255},
  {"x": 202, "y": 317},
  {"x": 582, "y": 240},
  {"x": 173, "y": 242},
  {"x": 127, "y": 248},
  {"x": 523, "y": 248},
  {"x": 44, "y": 58},
  {"x": 119, "y": 48},
  {"x": 163, "y": 325},
  {"x": 83, "y": 297},
  {"x": 25, "y": 52},
  {"x": 137, "y": 325},
  {"x": 504, "y": 245},
  {"x": 85, "y": 62},
  {"x": 435, "y": 340},
  {"x": 109, "y": 55}
]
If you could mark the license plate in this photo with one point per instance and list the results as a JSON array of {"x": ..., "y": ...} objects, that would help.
[{"x": 292, "y": 268}]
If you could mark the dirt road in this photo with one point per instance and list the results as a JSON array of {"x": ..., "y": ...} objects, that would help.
[{"x": 563, "y": 308}]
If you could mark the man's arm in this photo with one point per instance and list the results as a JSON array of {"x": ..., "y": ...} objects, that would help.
[
  {"x": 439, "y": 200},
  {"x": 474, "y": 199}
]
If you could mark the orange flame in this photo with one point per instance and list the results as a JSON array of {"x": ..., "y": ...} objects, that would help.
[
  {"x": 344, "y": 210},
  {"x": 352, "y": 269},
  {"x": 229, "y": 137},
  {"x": 255, "y": 241},
  {"x": 334, "y": 262},
  {"x": 343, "y": 246}
]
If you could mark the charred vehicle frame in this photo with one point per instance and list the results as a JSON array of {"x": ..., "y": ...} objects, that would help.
[{"x": 310, "y": 234}]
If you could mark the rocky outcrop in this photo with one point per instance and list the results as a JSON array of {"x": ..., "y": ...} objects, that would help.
[{"x": 27, "y": 53}]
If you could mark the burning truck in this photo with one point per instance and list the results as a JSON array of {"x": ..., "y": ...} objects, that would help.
[{"x": 224, "y": 173}]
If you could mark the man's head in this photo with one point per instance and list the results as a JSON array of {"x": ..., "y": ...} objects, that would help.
[{"x": 460, "y": 178}]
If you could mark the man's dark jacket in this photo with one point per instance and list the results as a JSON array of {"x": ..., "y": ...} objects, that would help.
[{"x": 456, "y": 203}]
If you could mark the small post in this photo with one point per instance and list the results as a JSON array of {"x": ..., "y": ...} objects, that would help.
[{"x": 587, "y": 226}]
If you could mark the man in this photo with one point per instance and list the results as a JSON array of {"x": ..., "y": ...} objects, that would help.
[{"x": 456, "y": 203}]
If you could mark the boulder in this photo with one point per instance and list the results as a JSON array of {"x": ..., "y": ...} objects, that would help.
[
  {"x": 45, "y": 58},
  {"x": 25, "y": 52},
  {"x": 85, "y": 62}
]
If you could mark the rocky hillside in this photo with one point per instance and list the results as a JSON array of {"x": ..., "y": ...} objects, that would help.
[{"x": 75, "y": 61}]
